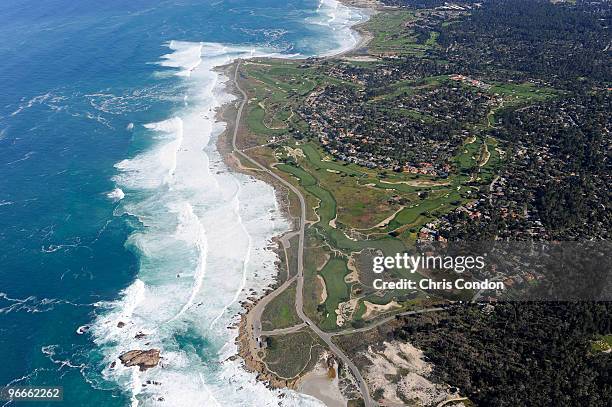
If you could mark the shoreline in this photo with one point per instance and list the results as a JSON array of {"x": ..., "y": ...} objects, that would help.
[{"x": 227, "y": 114}]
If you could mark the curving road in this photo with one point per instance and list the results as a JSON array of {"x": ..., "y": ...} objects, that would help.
[
  {"x": 385, "y": 320},
  {"x": 299, "y": 298}
]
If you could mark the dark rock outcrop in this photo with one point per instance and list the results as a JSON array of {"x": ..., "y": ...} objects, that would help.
[{"x": 144, "y": 359}]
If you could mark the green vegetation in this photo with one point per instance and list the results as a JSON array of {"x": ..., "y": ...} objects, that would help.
[
  {"x": 291, "y": 354},
  {"x": 523, "y": 92},
  {"x": 433, "y": 39},
  {"x": 314, "y": 173},
  {"x": 602, "y": 343},
  {"x": 361, "y": 309},
  {"x": 256, "y": 121},
  {"x": 391, "y": 36},
  {"x": 348, "y": 202},
  {"x": 280, "y": 312},
  {"x": 327, "y": 212},
  {"x": 342, "y": 195},
  {"x": 337, "y": 290},
  {"x": 490, "y": 356},
  {"x": 457, "y": 99},
  {"x": 315, "y": 257}
]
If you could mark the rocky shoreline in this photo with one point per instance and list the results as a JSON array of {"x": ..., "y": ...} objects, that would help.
[
  {"x": 244, "y": 340},
  {"x": 253, "y": 363},
  {"x": 227, "y": 114}
]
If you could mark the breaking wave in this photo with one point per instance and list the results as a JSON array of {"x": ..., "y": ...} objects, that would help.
[{"x": 203, "y": 236}]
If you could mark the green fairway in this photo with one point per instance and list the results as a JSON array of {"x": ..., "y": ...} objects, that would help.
[
  {"x": 391, "y": 34},
  {"x": 523, "y": 91},
  {"x": 354, "y": 207},
  {"x": 337, "y": 290}
]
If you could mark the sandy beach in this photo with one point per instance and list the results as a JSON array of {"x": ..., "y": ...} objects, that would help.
[{"x": 319, "y": 385}]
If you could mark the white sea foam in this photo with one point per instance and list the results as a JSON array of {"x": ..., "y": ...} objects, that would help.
[
  {"x": 205, "y": 237},
  {"x": 155, "y": 167},
  {"x": 186, "y": 56},
  {"x": 31, "y": 304},
  {"x": 24, "y": 158},
  {"x": 116, "y": 194},
  {"x": 336, "y": 19},
  {"x": 191, "y": 231}
]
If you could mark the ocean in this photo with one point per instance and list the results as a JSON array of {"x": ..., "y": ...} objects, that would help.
[{"x": 116, "y": 209}]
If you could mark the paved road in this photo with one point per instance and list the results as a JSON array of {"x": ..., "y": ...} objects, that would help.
[
  {"x": 299, "y": 298},
  {"x": 350, "y": 331},
  {"x": 385, "y": 320},
  {"x": 284, "y": 331},
  {"x": 255, "y": 314},
  {"x": 491, "y": 189}
]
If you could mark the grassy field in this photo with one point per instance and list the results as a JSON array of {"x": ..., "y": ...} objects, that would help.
[
  {"x": 289, "y": 355},
  {"x": 346, "y": 202},
  {"x": 280, "y": 312},
  {"x": 337, "y": 290},
  {"x": 315, "y": 171},
  {"x": 602, "y": 344},
  {"x": 523, "y": 91},
  {"x": 515, "y": 94},
  {"x": 343, "y": 195},
  {"x": 392, "y": 36},
  {"x": 315, "y": 257},
  {"x": 327, "y": 211},
  {"x": 355, "y": 200}
]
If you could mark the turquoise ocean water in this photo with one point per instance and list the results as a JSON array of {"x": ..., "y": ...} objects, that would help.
[{"x": 114, "y": 203}]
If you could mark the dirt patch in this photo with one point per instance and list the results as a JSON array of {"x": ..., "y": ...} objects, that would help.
[
  {"x": 332, "y": 222},
  {"x": 485, "y": 154},
  {"x": 386, "y": 221},
  {"x": 400, "y": 374},
  {"x": 418, "y": 183},
  {"x": 296, "y": 153},
  {"x": 345, "y": 311},
  {"x": 374, "y": 310},
  {"x": 353, "y": 276},
  {"x": 323, "y": 295},
  {"x": 361, "y": 58}
]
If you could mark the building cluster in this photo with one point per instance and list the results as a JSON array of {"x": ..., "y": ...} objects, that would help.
[
  {"x": 416, "y": 131},
  {"x": 554, "y": 181}
]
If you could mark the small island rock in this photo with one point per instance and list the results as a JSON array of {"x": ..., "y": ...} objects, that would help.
[{"x": 144, "y": 359}]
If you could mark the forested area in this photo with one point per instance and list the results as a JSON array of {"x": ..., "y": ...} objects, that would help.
[
  {"x": 423, "y": 4},
  {"x": 565, "y": 45},
  {"x": 556, "y": 183},
  {"x": 536, "y": 354}
]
